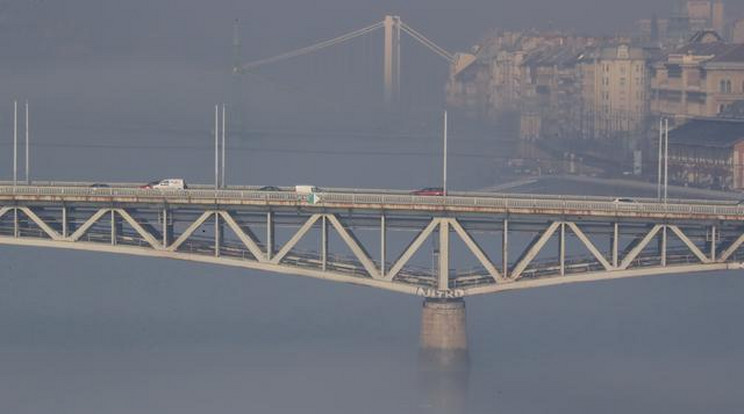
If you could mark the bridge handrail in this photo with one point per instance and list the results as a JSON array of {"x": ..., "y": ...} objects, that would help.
[{"x": 381, "y": 199}]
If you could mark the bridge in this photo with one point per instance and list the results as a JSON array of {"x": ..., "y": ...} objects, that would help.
[
  {"x": 343, "y": 235},
  {"x": 392, "y": 26}
]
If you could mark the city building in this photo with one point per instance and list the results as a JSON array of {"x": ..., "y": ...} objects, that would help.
[
  {"x": 615, "y": 89},
  {"x": 699, "y": 79},
  {"x": 737, "y": 31},
  {"x": 707, "y": 154}
]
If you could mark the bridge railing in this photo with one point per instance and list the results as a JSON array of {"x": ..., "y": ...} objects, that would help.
[{"x": 374, "y": 200}]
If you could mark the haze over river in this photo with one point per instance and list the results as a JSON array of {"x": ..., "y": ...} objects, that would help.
[{"x": 98, "y": 333}]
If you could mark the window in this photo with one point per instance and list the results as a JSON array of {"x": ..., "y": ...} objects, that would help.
[
  {"x": 724, "y": 86},
  {"x": 622, "y": 81}
]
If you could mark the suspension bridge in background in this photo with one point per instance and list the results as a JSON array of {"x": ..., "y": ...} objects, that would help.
[{"x": 392, "y": 26}]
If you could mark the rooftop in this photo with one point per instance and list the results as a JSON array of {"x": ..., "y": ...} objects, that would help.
[{"x": 708, "y": 133}]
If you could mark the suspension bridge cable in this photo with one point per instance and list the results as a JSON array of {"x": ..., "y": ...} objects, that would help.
[
  {"x": 314, "y": 48},
  {"x": 428, "y": 43}
]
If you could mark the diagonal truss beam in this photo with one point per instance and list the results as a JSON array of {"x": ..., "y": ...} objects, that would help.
[
  {"x": 412, "y": 249},
  {"x": 633, "y": 253},
  {"x": 39, "y": 222},
  {"x": 189, "y": 231},
  {"x": 726, "y": 254},
  {"x": 88, "y": 224},
  {"x": 534, "y": 249},
  {"x": 589, "y": 245},
  {"x": 4, "y": 210},
  {"x": 295, "y": 239},
  {"x": 476, "y": 249},
  {"x": 149, "y": 238},
  {"x": 248, "y": 238},
  {"x": 355, "y": 246},
  {"x": 690, "y": 245}
]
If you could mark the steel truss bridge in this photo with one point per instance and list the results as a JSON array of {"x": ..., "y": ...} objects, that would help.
[{"x": 514, "y": 241}]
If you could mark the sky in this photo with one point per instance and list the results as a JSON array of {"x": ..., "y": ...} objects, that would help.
[{"x": 191, "y": 28}]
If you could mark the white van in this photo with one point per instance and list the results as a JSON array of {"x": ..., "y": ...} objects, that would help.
[
  {"x": 305, "y": 189},
  {"x": 168, "y": 184}
]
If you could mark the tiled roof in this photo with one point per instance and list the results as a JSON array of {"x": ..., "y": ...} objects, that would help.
[{"x": 708, "y": 133}]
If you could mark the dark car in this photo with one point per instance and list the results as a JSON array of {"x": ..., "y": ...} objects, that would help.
[
  {"x": 100, "y": 185},
  {"x": 269, "y": 188},
  {"x": 429, "y": 191}
]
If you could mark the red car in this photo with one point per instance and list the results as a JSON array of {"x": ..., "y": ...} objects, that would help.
[{"x": 429, "y": 191}]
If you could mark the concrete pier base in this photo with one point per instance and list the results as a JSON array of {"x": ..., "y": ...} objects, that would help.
[
  {"x": 444, "y": 339},
  {"x": 444, "y": 367}
]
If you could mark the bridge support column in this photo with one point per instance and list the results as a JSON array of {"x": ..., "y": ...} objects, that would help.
[{"x": 444, "y": 342}]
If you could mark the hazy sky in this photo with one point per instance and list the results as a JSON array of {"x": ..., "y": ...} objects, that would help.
[{"x": 201, "y": 28}]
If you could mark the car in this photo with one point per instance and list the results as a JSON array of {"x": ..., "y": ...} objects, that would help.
[
  {"x": 429, "y": 191},
  {"x": 624, "y": 200},
  {"x": 269, "y": 188},
  {"x": 167, "y": 184},
  {"x": 100, "y": 185}
]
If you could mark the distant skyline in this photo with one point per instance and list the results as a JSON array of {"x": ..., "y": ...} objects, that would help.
[{"x": 196, "y": 28}]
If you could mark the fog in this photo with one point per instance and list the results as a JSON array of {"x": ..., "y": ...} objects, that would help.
[{"x": 125, "y": 91}]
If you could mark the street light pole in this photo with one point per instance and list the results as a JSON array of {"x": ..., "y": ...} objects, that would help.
[
  {"x": 15, "y": 143},
  {"x": 444, "y": 184},
  {"x": 216, "y": 147},
  {"x": 666, "y": 158}
]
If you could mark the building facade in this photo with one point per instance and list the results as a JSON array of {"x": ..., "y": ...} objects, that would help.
[{"x": 699, "y": 79}]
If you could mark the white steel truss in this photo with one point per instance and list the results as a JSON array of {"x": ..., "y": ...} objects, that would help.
[{"x": 680, "y": 247}]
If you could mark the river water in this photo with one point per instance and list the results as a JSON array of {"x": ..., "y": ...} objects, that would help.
[{"x": 97, "y": 333}]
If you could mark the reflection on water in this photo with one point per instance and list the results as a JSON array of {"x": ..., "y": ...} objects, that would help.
[{"x": 443, "y": 388}]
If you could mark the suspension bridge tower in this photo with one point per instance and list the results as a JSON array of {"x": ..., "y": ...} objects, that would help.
[{"x": 391, "y": 69}]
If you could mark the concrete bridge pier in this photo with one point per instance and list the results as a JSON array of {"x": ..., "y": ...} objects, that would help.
[
  {"x": 444, "y": 341},
  {"x": 444, "y": 367}
]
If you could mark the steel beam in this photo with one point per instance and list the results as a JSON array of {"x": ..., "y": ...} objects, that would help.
[
  {"x": 39, "y": 222},
  {"x": 295, "y": 238},
  {"x": 269, "y": 235},
  {"x": 443, "y": 276},
  {"x": 690, "y": 245},
  {"x": 726, "y": 254},
  {"x": 247, "y": 237},
  {"x": 476, "y": 250},
  {"x": 355, "y": 247},
  {"x": 146, "y": 235},
  {"x": 190, "y": 230},
  {"x": 412, "y": 249},
  {"x": 638, "y": 248},
  {"x": 505, "y": 250},
  {"x": 88, "y": 224},
  {"x": 534, "y": 250},
  {"x": 383, "y": 246},
  {"x": 592, "y": 248}
]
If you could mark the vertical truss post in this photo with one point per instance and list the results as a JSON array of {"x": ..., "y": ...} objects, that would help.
[
  {"x": 15, "y": 223},
  {"x": 324, "y": 242},
  {"x": 443, "y": 280},
  {"x": 269, "y": 235},
  {"x": 615, "y": 244},
  {"x": 664, "y": 245},
  {"x": 505, "y": 250},
  {"x": 713, "y": 236},
  {"x": 562, "y": 249},
  {"x": 113, "y": 227},
  {"x": 165, "y": 228},
  {"x": 217, "y": 233},
  {"x": 383, "y": 247},
  {"x": 64, "y": 222}
]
